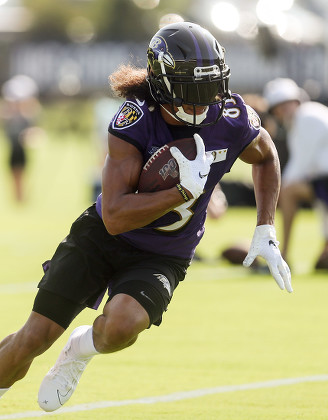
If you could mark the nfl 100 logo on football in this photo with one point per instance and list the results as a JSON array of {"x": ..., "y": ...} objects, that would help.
[
  {"x": 128, "y": 115},
  {"x": 170, "y": 168}
]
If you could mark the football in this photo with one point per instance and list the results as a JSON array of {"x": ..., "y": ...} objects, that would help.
[
  {"x": 161, "y": 171},
  {"x": 236, "y": 254}
]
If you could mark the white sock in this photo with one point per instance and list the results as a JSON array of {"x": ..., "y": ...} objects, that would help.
[
  {"x": 3, "y": 390},
  {"x": 83, "y": 344}
]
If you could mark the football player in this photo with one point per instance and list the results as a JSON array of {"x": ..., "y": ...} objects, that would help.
[{"x": 138, "y": 246}]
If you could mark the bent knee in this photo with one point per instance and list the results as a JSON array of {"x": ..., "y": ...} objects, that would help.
[
  {"x": 117, "y": 337},
  {"x": 301, "y": 191},
  {"x": 123, "y": 319}
]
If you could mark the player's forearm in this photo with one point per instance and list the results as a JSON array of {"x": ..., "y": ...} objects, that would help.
[
  {"x": 266, "y": 177},
  {"x": 132, "y": 211}
]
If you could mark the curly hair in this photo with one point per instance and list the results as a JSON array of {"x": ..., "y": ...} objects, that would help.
[{"x": 130, "y": 81}]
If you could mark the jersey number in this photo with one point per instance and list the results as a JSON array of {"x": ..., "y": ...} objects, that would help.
[
  {"x": 231, "y": 112},
  {"x": 185, "y": 213}
]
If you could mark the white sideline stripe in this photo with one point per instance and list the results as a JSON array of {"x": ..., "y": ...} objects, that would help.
[
  {"x": 177, "y": 396},
  {"x": 15, "y": 288}
]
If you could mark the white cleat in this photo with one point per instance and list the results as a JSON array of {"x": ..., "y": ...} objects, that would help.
[{"x": 60, "y": 382}]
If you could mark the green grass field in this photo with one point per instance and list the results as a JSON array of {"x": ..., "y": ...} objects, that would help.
[{"x": 226, "y": 325}]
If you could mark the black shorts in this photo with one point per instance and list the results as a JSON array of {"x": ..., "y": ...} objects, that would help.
[
  {"x": 90, "y": 261},
  {"x": 320, "y": 186},
  {"x": 17, "y": 158}
]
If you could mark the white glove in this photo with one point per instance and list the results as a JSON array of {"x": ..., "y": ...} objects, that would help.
[
  {"x": 265, "y": 244},
  {"x": 193, "y": 173}
]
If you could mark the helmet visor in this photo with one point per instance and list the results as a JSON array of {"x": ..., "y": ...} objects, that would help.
[{"x": 202, "y": 93}]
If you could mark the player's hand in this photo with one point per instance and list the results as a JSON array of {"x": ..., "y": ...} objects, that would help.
[
  {"x": 265, "y": 244},
  {"x": 193, "y": 173}
]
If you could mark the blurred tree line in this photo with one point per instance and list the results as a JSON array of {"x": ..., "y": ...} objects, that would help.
[{"x": 100, "y": 20}]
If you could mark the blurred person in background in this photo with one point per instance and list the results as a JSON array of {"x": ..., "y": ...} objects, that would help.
[
  {"x": 218, "y": 204},
  {"x": 138, "y": 246},
  {"x": 305, "y": 176},
  {"x": 19, "y": 112},
  {"x": 274, "y": 127}
]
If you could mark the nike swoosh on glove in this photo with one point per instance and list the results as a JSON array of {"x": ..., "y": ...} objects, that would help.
[
  {"x": 265, "y": 244},
  {"x": 193, "y": 173}
]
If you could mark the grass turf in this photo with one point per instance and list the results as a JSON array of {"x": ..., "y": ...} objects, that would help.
[{"x": 225, "y": 326}]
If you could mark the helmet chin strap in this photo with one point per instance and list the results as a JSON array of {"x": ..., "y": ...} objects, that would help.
[{"x": 188, "y": 118}]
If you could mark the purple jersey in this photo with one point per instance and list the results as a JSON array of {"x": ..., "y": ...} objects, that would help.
[{"x": 178, "y": 232}]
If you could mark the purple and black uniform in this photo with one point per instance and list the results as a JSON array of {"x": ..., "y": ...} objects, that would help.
[
  {"x": 178, "y": 232},
  {"x": 146, "y": 263}
]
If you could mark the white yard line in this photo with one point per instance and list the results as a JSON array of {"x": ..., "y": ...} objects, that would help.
[
  {"x": 15, "y": 288},
  {"x": 177, "y": 396}
]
